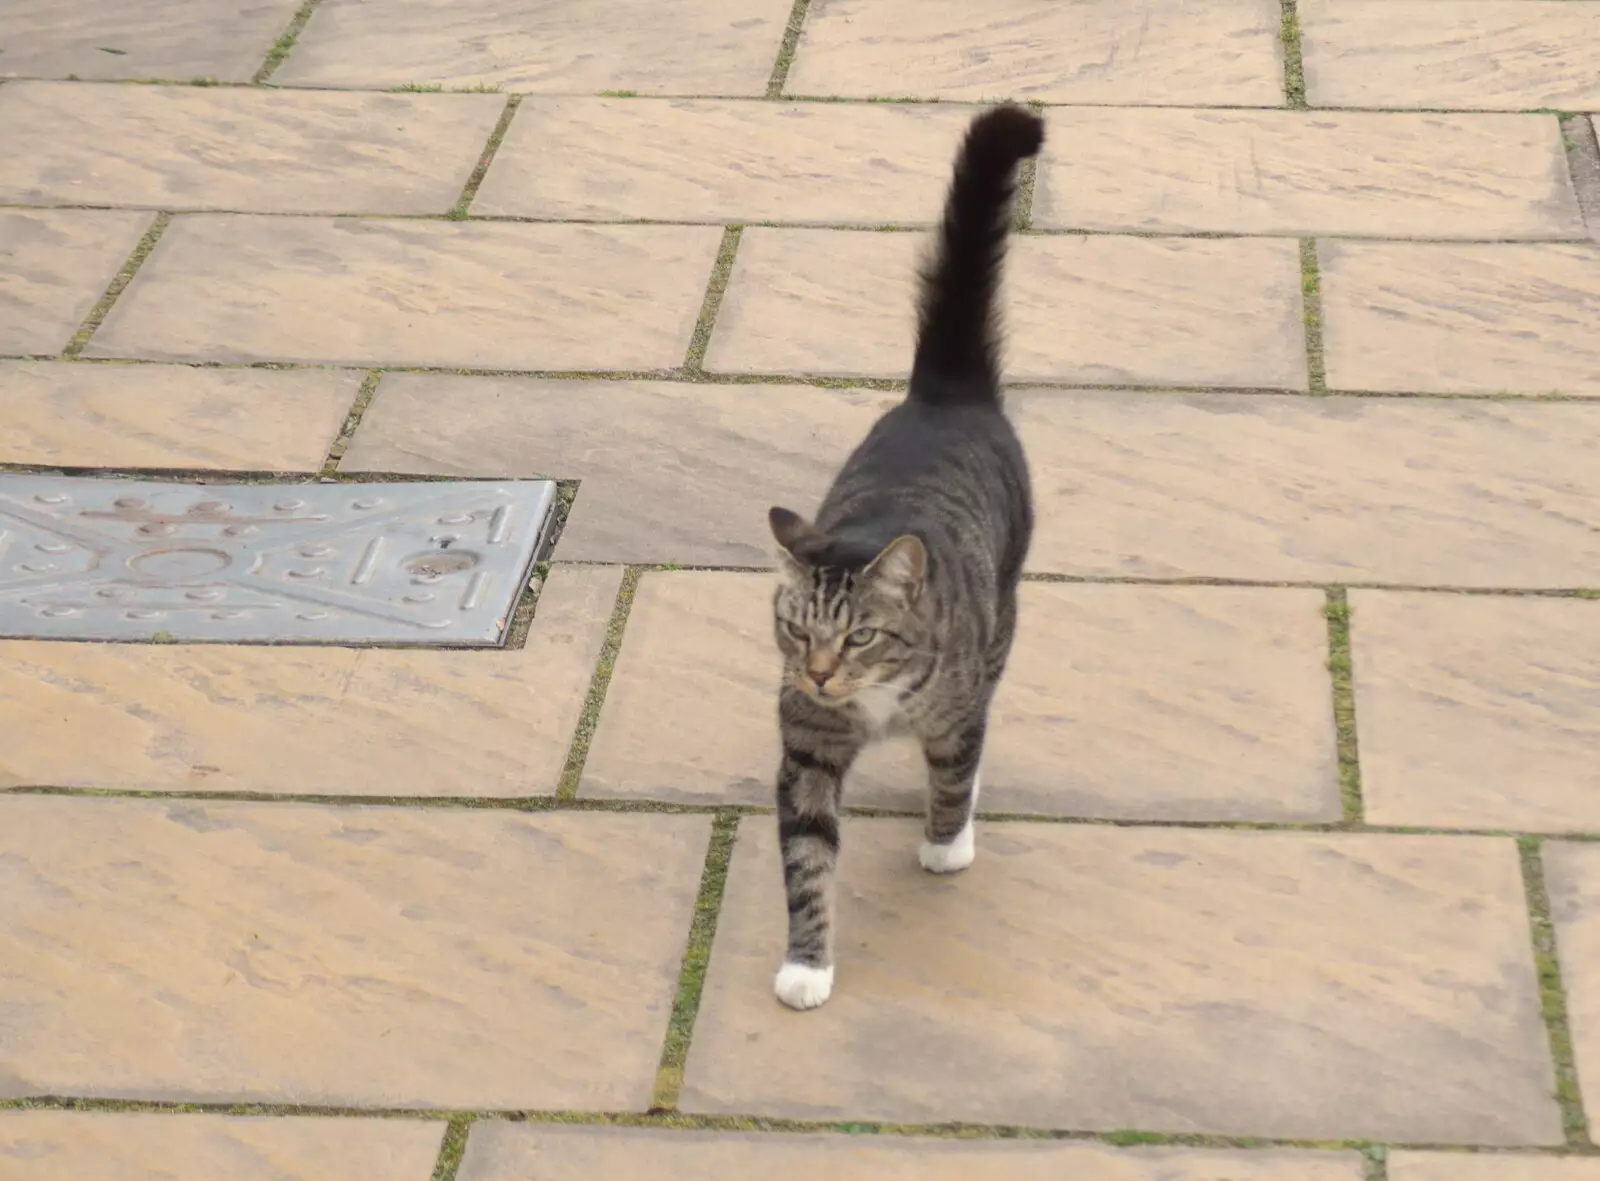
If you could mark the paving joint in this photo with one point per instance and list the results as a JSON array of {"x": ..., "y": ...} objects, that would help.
[
  {"x": 838, "y": 99},
  {"x": 787, "y": 49},
  {"x": 485, "y": 158},
  {"x": 1553, "y": 995},
  {"x": 556, "y": 803},
  {"x": 124, "y": 276},
  {"x": 678, "y": 1121},
  {"x": 1337, "y": 612},
  {"x": 526, "y": 609},
  {"x": 352, "y": 420},
  {"x": 594, "y": 700},
  {"x": 1311, "y": 317},
  {"x": 453, "y": 1147},
  {"x": 683, "y": 376},
  {"x": 696, "y": 959},
  {"x": 1027, "y": 184},
  {"x": 456, "y": 214},
  {"x": 1583, "y": 164},
  {"x": 1294, "y": 71},
  {"x": 252, "y": 475},
  {"x": 716, "y": 287},
  {"x": 283, "y": 45}
]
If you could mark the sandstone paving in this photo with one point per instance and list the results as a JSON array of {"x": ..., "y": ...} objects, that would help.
[
  {"x": 719, "y": 160},
  {"x": 1101, "y": 310},
  {"x": 229, "y": 287},
  {"x": 174, "y": 416},
  {"x": 501, "y": 1151},
  {"x": 1212, "y": 485},
  {"x": 1161, "y": 52},
  {"x": 1457, "y": 54},
  {"x": 267, "y": 151},
  {"x": 177, "y": 40},
  {"x": 1572, "y": 875},
  {"x": 1478, "y": 711},
  {"x": 1130, "y": 702},
  {"x": 1484, "y": 318},
  {"x": 1426, "y": 492},
  {"x": 542, "y": 46},
  {"x": 1093, "y": 977},
  {"x": 1386, "y": 175},
  {"x": 294, "y": 953},
  {"x": 665, "y": 469},
  {"x": 44, "y": 1145},
  {"x": 1486, "y": 1166},
  {"x": 54, "y": 266},
  {"x": 308, "y": 719}
]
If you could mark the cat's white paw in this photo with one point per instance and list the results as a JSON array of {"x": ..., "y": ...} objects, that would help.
[
  {"x": 800, "y": 986},
  {"x": 951, "y": 858}
]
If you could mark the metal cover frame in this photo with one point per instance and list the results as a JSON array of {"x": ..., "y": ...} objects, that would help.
[{"x": 423, "y": 563}]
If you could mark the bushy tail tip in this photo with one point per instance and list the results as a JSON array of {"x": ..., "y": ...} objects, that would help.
[{"x": 1005, "y": 134}]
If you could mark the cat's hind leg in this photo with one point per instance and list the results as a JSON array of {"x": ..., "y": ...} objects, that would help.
[{"x": 953, "y": 757}]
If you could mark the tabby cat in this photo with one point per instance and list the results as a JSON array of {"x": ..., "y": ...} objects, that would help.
[{"x": 896, "y": 607}]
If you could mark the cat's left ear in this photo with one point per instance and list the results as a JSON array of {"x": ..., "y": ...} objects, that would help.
[{"x": 901, "y": 567}]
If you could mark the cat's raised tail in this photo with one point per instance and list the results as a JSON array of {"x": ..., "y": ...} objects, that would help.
[{"x": 958, "y": 332}]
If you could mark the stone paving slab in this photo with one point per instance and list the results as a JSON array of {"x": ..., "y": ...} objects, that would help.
[
  {"x": 1307, "y": 172},
  {"x": 1128, "y": 485},
  {"x": 723, "y": 161},
  {"x": 542, "y": 46},
  {"x": 1456, "y": 1166},
  {"x": 264, "y": 151},
  {"x": 1172, "y": 52},
  {"x": 55, "y": 264},
  {"x": 226, "y": 287},
  {"x": 177, "y": 40},
  {"x": 122, "y": 1146},
  {"x": 1491, "y": 55},
  {"x": 500, "y": 1151},
  {"x": 1462, "y": 319},
  {"x": 457, "y": 959},
  {"x": 1127, "y": 702},
  {"x": 1572, "y": 873},
  {"x": 1101, "y": 310},
  {"x": 664, "y": 468},
  {"x": 1273, "y": 984},
  {"x": 1424, "y": 492},
  {"x": 309, "y": 720},
  {"x": 171, "y": 416},
  {"x": 1478, "y": 712}
]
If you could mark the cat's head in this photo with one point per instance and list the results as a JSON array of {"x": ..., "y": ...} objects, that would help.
[{"x": 847, "y": 621}]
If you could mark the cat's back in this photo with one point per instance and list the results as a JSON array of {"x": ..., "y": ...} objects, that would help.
[{"x": 936, "y": 469}]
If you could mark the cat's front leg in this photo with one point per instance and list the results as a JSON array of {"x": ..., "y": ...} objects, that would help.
[{"x": 810, "y": 783}]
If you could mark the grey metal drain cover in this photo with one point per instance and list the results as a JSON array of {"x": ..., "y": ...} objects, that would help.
[{"x": 427, "y": 563}]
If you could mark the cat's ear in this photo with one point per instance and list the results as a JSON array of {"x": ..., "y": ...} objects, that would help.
[
  {"x": 901, "y": 567},
  {"x": 792, "y": 530}
]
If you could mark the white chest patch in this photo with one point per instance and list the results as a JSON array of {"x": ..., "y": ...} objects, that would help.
[{"x": 879, "y": 707}]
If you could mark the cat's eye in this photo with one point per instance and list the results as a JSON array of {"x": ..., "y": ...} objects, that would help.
[
  {"x": 795, "y": 633},
  {"x": 861, "y": 637}
]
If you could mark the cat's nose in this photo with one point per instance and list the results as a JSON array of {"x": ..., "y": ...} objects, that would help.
[{"x": 819, "y": 675}]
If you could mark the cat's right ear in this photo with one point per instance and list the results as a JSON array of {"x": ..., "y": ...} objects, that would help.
[
  {"x": 792, "y": 532},
  {"x": 790, "y": 528}
]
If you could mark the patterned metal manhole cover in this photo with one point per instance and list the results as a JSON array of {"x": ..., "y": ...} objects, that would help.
[{"x": 428, "y": 563}]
